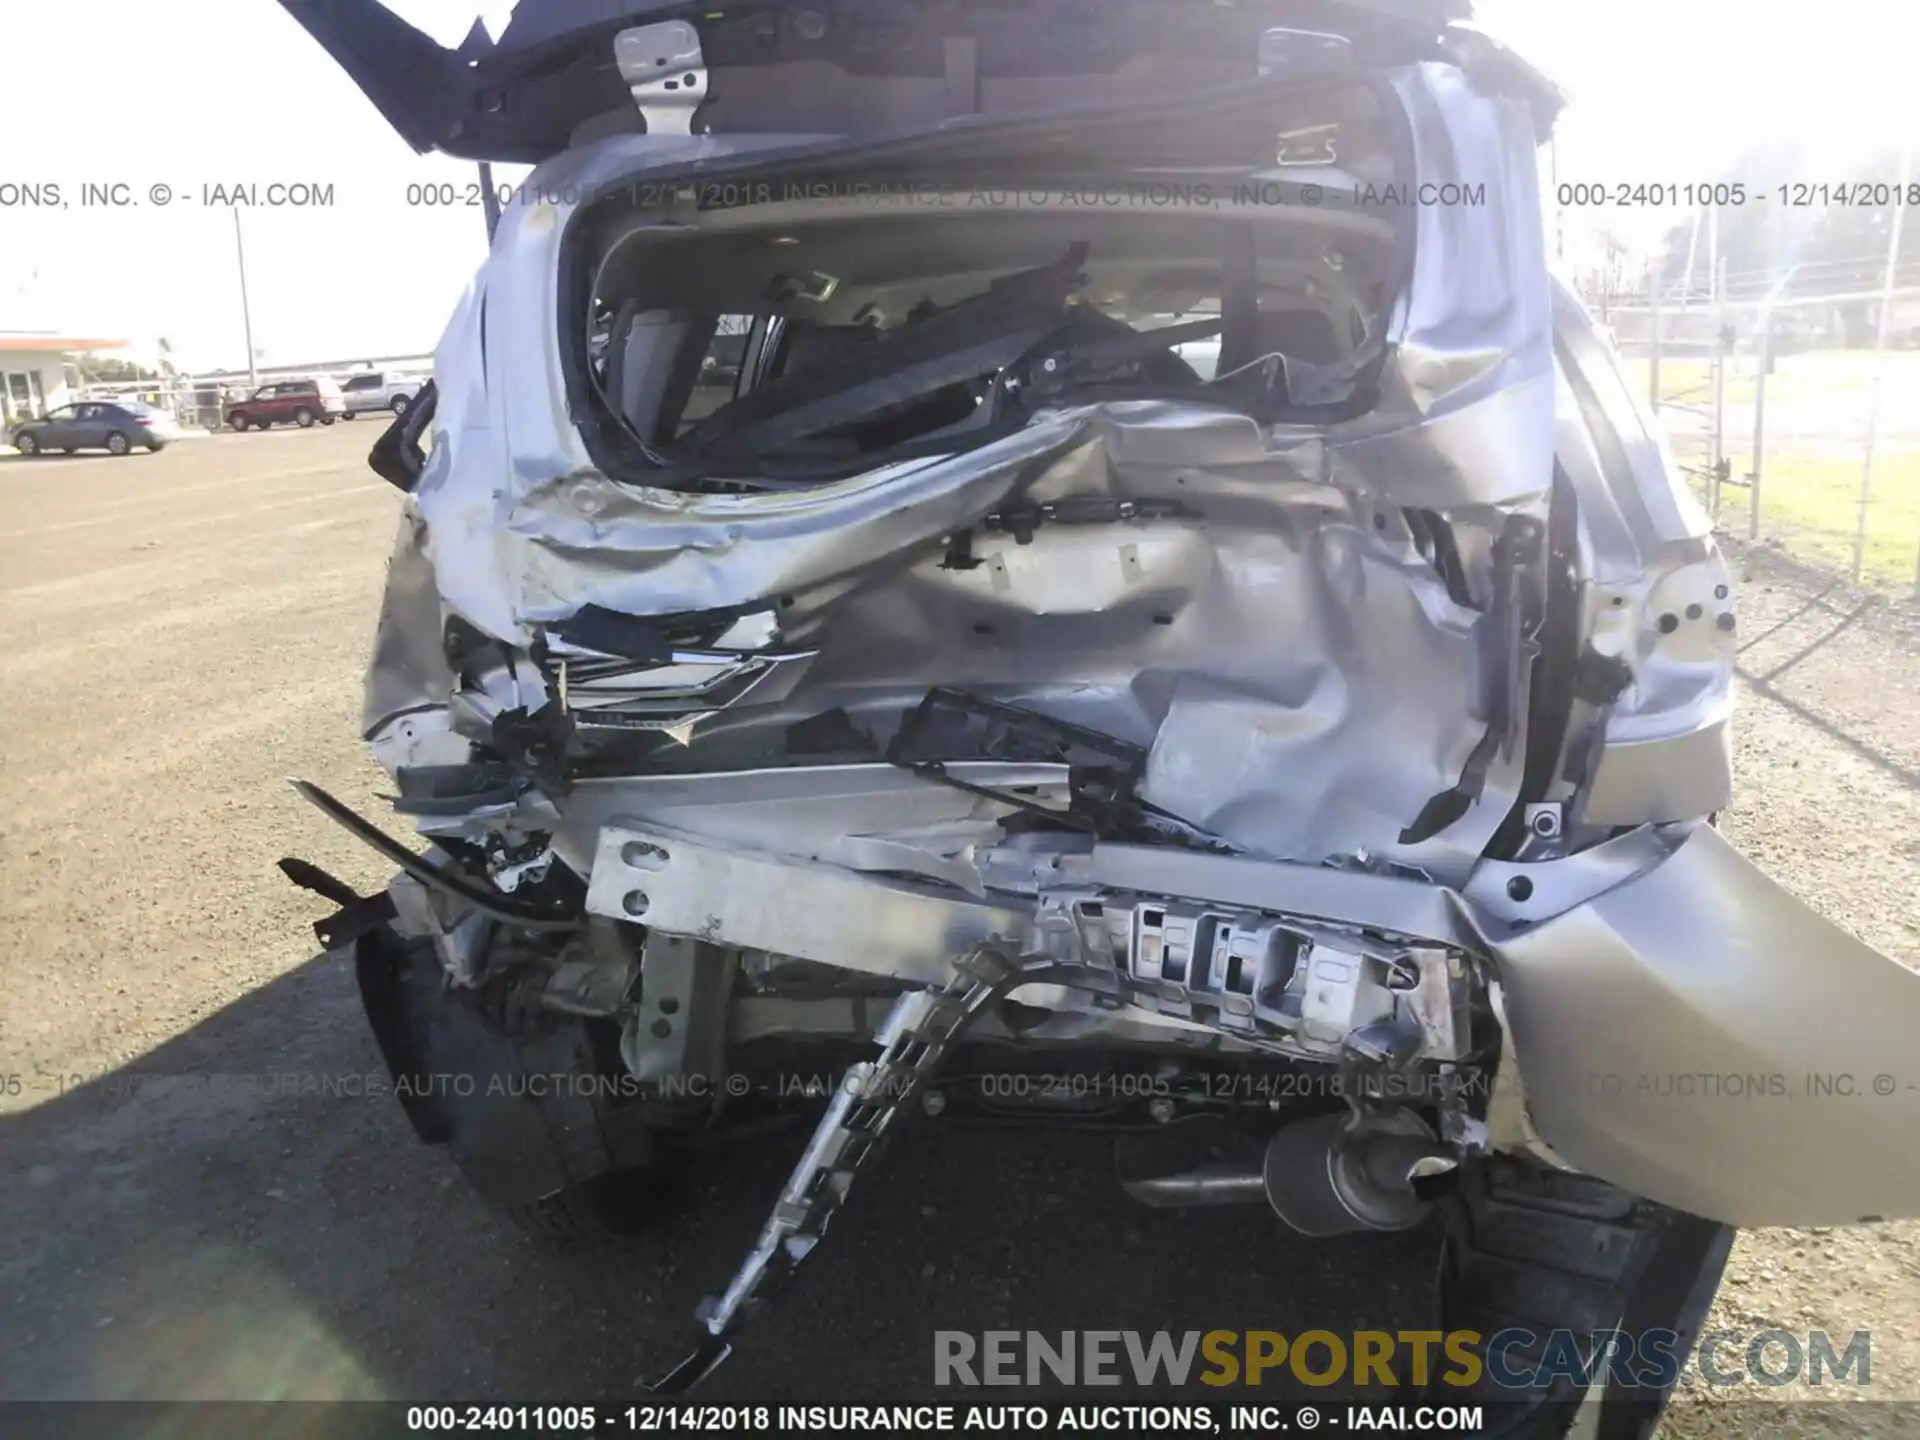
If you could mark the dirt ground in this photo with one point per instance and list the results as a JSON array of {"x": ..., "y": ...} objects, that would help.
[{"x": 180, "y": 633}]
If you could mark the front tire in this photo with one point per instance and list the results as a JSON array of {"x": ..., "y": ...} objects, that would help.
[
  {"x": 238, "y": 424},
  {"x": 118, "y": 444},
  {"x": 303, "y": 418},
  {"x": 26, "y": 444}
]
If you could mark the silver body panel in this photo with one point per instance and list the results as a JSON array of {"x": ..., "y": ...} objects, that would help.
[
  {"x": 1301, "y": 679},
  {"x": 1701, "y": 1037}
]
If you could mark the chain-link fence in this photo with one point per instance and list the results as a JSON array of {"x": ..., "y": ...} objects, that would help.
[
  {"x": 195, "y": 404},
  {"x": 1790, "y": 437},
  {"x": 201, "y": 402}
]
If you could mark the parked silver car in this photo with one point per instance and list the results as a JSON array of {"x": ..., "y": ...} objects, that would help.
[
  {"x": 1328, "y": 735},
  {"x": 379, "y": 392}
]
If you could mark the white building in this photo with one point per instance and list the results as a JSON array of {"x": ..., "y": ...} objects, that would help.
[{"x": 36, "y": 371}]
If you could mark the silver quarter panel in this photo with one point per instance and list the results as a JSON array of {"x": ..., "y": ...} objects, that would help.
[
  {"x": 1659, "y": 600},
  {"x": 1697, "y": 1035}
]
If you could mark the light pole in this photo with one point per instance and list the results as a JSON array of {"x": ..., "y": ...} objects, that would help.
[{"x": 246, "y": 310}]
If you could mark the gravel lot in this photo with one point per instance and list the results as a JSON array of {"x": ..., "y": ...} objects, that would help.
[{"x": 183, "y": 631}]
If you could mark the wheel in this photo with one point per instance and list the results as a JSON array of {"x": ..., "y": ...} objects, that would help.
[
  {"x": 348, "y": 414},
  {"x": 399, "y": 405},
  {"x": 567, "y": 1165},
  {"x": 156, "y": 447},
  {"x": 26, "y": 444},
  {"x": 118, "y": 444},
  {"x": 328, "y": 419},
  {"x": 303, "y": 417},
  {"x": 238, "y": 422},
  {"x": 261, "y": 422}
]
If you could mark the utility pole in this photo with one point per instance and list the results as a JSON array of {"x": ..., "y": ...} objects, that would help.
[
  {"x": 1763, "y": 350},
  {"x": 1763, "y": 344},
  {"x": 1717, "y": 313},
  {"x": 1653, "y": 325},
  {"x": 1880, "y": 364},
  {"x": 246, "y": 310},
  {"x": 1693, "y": 250}
]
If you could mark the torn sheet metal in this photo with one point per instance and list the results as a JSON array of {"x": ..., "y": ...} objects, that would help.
[{"x": 1306, "y": 681}]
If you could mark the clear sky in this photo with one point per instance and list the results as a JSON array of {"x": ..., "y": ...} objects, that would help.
[
  {"x": 198, "y": 93},
  {"x": 226, "y": 91}
]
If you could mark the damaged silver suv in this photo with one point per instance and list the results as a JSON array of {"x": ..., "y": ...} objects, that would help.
[{"x": 1076, "y": 539}]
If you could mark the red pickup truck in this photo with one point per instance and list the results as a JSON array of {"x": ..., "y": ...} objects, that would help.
[{"x": 300, "y": 401}]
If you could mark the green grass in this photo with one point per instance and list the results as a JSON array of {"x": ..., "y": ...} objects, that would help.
[
  {"x": 1809, "y": 505},
  {"x": 1810, "y": 482}
]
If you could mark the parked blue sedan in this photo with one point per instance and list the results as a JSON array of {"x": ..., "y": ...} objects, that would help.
[{"x": 116, "y": 426}]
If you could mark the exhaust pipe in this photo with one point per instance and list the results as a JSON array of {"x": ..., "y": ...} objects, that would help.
[
  {"x": 1213, "y": 1185},
  {"x": 1335, "y": 1174},
  {"x": 1329, "y": 1175}
]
